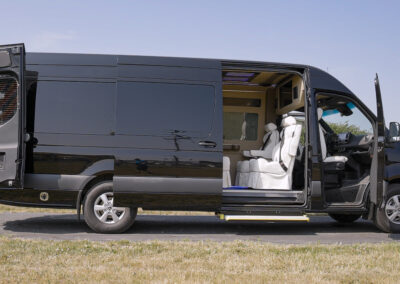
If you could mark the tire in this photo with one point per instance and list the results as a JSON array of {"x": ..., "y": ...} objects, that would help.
[
  {"x": 101, "y": 216},
  {"x": 387, "y": 219},
  {"x": 345, "y": 218}
]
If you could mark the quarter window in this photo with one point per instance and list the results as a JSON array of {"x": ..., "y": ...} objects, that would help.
[{"x": 8, "y": 99}]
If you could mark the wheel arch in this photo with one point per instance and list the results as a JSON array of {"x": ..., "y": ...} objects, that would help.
[{"x": 105, "y": 176}]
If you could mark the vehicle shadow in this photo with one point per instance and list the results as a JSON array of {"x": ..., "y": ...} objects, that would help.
[{"x": 153, "y": 225}]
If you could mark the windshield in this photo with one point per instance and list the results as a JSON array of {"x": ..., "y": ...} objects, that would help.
[{"x": 347, "y": 118}]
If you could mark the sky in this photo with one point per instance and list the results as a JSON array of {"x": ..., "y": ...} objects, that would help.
[{"x": 351, "y": 39}]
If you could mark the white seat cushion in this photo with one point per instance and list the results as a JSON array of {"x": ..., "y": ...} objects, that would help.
[
  {"x": 271, "y": 175},
  {"x": 263, "y": 165},
  {"x": 242, "y": 173},
  {"x": 324, "y": 151},
  {"x": 332, "y": 159},
  {"x": 226, "y": 175}
]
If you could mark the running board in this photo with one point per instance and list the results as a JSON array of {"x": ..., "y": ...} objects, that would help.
[{"x": 302, "y": 218}]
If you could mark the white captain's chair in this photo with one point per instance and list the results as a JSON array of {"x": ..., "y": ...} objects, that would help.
[
  {"x": 226, "y": 174},
  {"x": 331, "y": 159},
  {"x": 270, "y": 139},
  {"x": 277, "y": 174}
]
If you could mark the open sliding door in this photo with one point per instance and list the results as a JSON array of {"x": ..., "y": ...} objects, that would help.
[{"x": 12, "y": 115}]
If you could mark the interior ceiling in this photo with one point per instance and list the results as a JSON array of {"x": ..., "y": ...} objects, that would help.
[{"x": 235, "y": 77}]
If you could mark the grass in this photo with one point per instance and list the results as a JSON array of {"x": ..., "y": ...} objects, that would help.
[{"x": 27, "y": 261}]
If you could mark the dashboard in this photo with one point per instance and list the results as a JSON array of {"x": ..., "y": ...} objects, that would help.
[{"x": 357, "y": 146}]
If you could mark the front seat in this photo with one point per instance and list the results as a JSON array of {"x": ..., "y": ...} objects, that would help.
[
  {"x": 270, "y": 139},
  {"x": 277, "y": 174},
  {"x": 334, "y": 162},
  {"x": 333, "y": 165}
]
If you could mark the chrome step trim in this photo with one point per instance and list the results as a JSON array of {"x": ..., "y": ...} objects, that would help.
[{"x": 303, "y": 218}]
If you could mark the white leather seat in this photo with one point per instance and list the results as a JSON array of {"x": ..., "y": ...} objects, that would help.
[
  {"x": 226, "y": 175},
  {"x": 242, "y": 173},
  {"x": 325, "y": 159},
  {"x": 266, "y": 174},
  {"x": 270, "y": 139}
]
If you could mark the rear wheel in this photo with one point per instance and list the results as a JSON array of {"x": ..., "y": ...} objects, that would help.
[
  {"x": 100, "y": 213},
  {"x": 388, "y": 218},
  {"x": 345, "y": 218}
]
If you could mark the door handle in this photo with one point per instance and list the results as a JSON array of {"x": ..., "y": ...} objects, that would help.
[{"x": 208, "y": 144}]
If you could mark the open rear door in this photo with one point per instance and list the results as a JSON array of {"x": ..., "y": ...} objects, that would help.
[
  {"x": 12, "y": 115},
  {"x": 378, "y": 161}
]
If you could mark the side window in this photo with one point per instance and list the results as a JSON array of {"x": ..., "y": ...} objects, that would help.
[
  {"x": 240, "y": 126},
  {"x": 145, "y": 108},
  {"x": 8, "y": 99},
  {"x": 243, "y": 116},
  {"x": 344, "y": 116},
  {"x": 74, "y": 107}
]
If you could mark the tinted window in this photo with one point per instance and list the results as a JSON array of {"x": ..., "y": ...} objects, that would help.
[
  {"x": 8, "y": 99},
  {"x": 74, "y": 107},
  {"x": 160, "y": 108},
  {"x": 245, "y": 102}
]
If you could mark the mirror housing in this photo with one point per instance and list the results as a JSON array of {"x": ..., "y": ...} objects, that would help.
[{"x": 394, "y": 131}]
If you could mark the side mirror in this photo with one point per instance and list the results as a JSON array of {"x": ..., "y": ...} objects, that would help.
[{"x": 394, "y": 131}]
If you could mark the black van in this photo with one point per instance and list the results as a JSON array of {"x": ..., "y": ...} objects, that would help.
[{"x": 247, "y": 140}]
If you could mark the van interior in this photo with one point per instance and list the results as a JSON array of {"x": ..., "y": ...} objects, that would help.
[
  {"x": 346, "y": 149},
  {"x": 264, "y": 134},
  {"x": 264, "y": 142}
]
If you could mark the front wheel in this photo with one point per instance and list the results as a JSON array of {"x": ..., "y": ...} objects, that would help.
[
  {"x": 388, "y": 218},
  {"x": 100, "y": 213}
]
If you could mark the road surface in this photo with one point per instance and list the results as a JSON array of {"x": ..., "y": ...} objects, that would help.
[{"x": 320, "y": 229}]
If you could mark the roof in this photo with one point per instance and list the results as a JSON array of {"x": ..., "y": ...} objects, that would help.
[{"x": 319, "y": 79}]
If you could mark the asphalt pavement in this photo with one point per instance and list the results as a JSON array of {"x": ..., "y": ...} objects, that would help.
[{"x": 320, "y": 229}]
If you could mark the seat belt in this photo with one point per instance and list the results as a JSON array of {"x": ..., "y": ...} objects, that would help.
[
  {"x": 280, "y": 148},
  {"x": 266, "y": 141}
]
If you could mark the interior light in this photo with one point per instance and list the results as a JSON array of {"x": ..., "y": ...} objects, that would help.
[
  {"x": 239, "y": 74},
  {"x": 239, "y": 79}
]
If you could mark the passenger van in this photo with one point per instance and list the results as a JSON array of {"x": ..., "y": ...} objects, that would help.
[{"x": 248, "y": 140}]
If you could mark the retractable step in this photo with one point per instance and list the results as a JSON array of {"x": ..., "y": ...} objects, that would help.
[{"x": 301, "y": 218}]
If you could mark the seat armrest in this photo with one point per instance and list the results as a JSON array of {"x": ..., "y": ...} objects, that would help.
[
  {"x": 247, "y": 154},
  {"x": 262, "y": 154},
  {"x": 333, "y": 159}
]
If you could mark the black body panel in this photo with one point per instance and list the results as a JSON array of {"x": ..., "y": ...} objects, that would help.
[{"x": 145, "y": 159}]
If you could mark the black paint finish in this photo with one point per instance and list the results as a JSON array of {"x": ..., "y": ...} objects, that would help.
[
  {"x": 85, "y": 140},
  {"x": 31, "y": 197}
]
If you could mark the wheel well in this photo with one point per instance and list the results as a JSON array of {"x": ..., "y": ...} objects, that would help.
[{"x": 90, "y": 184}]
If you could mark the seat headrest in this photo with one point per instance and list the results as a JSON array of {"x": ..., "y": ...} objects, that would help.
[
  {"x": 288, "y": 121},
  {"x": 320, "y": 112},
  {"x": 270, "y": 127}
]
